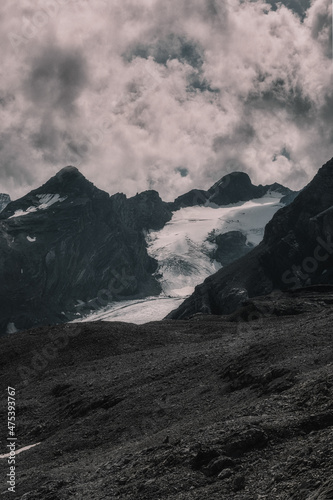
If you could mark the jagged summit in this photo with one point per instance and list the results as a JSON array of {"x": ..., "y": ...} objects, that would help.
[
  {"x": 236, "y": 178},
  {"x": 70, "y": 181},
  {"x": 69, "y": 170},
  {"x": 60, "y": 190},
  {"x": 231, "y": 188}
]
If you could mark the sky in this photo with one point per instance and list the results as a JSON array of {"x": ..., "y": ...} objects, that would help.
[{"x": 164, "y": 94}]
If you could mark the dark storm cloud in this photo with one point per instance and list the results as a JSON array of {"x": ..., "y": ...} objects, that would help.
[
  {"x": 198, "y": 82},
  {"x": 242, "y": 134},
  {"x": 13, "y": 169},
  {"x": 298, "y": 6},
  {"x": 182, "y": 171},
  {"x": 282, "y": 95},
  {"x": 284, "y": 152},
  {"x": 139, "y": 94},
  {"x": 56, "y": 78},
  {"x": 171, "y": 47},
  {"x": 322, "y": 28}
]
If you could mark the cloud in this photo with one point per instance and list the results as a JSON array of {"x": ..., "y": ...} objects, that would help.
[{"x": 164, "y": 95}]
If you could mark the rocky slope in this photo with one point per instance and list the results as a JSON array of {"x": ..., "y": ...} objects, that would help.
[
  {"x": 236, "y": 407},
  {"x": 68, "y": 247},
  {"x": 296, "y": 250}
]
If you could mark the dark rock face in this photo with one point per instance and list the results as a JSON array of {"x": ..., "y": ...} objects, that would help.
[
  {"x": 296, "y": 251},
  {"x": 69, "y": 247},
  {"x": 230, "y": 246},
  {"x": 4, "y": 200},
  {"x": 232, "y": 188}
]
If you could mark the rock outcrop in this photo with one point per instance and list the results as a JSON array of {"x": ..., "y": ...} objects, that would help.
[
  {"x": 230, "y": 246},
  {"x": 4, "y": 200},
  {"x": 296, "y": 251}
]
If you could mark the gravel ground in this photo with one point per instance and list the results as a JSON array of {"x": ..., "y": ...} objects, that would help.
[{"x": 235, "y": 407}]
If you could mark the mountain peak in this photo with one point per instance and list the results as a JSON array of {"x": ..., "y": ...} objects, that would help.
[
  {"x": 231, "y": 188},
  {"x": 67, "y": 184},
  {"x": 69, "y": 181},
  {"x": 68, "y": 171},
  {"x": 238, "y": 178}
]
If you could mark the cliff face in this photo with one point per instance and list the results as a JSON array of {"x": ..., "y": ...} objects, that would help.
[
  {"x": 296, "y": 250},
  {"x": 68, "y": 247}
]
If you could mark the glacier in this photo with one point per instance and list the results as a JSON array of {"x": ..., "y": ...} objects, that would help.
[{"x": 183, "y": 252}]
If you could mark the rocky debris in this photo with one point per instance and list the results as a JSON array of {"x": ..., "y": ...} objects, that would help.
[
  {"x": 324, "y": 492},
  {"x": 218, "y": 465},
  {"x": 242, "y": 442},
  {"x": 126, "y": 411},
  {"x": 69, "y": 248},
  {"x": 296, "y": 251}
]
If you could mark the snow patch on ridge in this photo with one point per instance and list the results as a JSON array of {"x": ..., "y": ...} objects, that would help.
[
  {"x": 45, "y": 201},
  {"x": 11, "y": 328}
]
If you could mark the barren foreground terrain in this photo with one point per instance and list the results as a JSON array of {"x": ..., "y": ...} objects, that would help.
[{"x": 231, "y": 407}]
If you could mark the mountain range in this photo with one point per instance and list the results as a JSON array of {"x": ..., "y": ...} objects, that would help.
[
  {"x": 69, "y": 248},
  {"x": 296, "y": 251},
  {"x": 234, "y": 402}
]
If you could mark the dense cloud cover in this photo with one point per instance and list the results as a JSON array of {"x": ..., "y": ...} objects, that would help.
[{"x": 168, "y": 95}]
